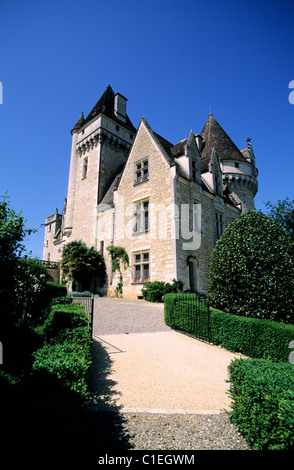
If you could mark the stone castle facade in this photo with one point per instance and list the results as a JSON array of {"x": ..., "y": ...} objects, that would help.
[{"x": 165, "y": 204}]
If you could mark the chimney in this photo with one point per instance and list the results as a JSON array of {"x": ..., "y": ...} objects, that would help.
[{"x": 120, "y": 106}]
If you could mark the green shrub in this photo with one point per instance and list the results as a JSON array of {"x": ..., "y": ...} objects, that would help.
[
  {"x": 66, "y": 353},
  {"x": 54, "y": 289},
  {"x": 63, "y": 316},
  {"x": 252, "y": 270},
  {"x": 69, "y": 361},
  {"x": 156, "y": 290},
  {"x": 262, "y": 396},
  {"x": 153, "y": 291}
]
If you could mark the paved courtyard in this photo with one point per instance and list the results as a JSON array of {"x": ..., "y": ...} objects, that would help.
[
  {"x": 165, "y": 390},
  {"x": 154, "y": 368}
]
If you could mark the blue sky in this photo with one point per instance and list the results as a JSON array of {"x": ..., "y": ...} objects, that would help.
[{"x": 174, "y": 61}]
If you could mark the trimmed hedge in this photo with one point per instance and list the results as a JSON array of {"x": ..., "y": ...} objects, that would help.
[
  {"x": 64, "y": 316},
  {"x": 54, "y": 289},
  {"x": 66, "y": 353},
  {"x": 262, "y": 395},
  {"x": 250, "y": 336}
]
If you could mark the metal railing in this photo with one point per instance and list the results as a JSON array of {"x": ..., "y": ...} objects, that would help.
[
  {"x": 87, "y": 301},
  {"x": 192, "y": 314}
]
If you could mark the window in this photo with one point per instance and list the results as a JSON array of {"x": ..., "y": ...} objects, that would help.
[
  {"x": 85, "y": 168},
  {"x": 141, "y": 266},
  {"x": 194, "y": 169},
  {"x": 236, "y": 165},
  {"x": 141, "y": 172},
  {"x": 219, "y": 224},
  {"x": 196, "y": 216},
  {"x": 141, "y": 217},
  {"x": 117, "y": 127},
  {"x": 217, "y": 185}
]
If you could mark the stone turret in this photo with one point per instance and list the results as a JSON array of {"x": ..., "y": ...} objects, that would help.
[
  {"x": 100, "y": 145},
  {"x": 238, "y": 168}
]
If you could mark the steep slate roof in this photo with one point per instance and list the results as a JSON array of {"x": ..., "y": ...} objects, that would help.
[
  {"x": 79, "y": 123},
  {"x": 108, "y": 196},
  {"x": 179, "y": 148},
  {"x": 215, "y": 137},
  {"x": 105, "y": 105}
]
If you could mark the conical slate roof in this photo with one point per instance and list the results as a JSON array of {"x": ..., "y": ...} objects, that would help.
[
  {"x": 215, "y": 137},
  {"x": 105, "y": 105},
  {"x": 79, "y": 123}
]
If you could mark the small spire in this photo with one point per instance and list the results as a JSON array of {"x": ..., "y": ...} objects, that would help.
[{"x": 79, "y": 123}]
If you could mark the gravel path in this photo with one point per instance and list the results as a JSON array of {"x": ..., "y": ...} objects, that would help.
[
  {"x": 120, "y": 316},
  {"x": 124, "y": 322}
]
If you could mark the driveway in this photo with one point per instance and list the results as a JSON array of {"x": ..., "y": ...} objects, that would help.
[{"x": 148, "y": 367}]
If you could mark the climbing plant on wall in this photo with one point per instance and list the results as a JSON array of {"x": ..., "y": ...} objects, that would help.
[{"x": 118, "y": 256}]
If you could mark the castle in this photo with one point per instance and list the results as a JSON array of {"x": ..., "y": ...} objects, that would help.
[{"x": 165, "y": 204}]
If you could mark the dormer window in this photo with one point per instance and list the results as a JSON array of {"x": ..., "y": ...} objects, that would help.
[
  {"x": 141, "y": 171},
  {"x": 194, "y": 169},
  {"x": 217, "y": 185}
]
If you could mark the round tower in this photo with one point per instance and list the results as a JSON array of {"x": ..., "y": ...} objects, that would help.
[
  {"x": 240, "y": 176},
  {"x": 239, "y": 172}
]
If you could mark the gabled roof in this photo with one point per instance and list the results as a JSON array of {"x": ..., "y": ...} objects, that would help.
[
  {"x": 215, "y": 137},
  {"x": 105, "y": 105}
]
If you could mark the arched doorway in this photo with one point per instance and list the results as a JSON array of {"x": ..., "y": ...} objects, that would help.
[{"x": 192, "y": 263}]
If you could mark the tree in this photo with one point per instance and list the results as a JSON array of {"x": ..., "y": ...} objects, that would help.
[
  {"x": 12, "y": 235},
  {"x": 31, "y": 294},
  {"x": 252, "y": 269},
  {"x": 82, "y": 265},
  {"x": 283, "y": 213}
]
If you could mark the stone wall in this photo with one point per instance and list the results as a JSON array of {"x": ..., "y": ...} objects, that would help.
[{"x": 157, "y": 190}]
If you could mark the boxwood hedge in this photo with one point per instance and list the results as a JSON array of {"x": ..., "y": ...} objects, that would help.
[
  {"x": 262, "y": 395},
  {"x": 66, "y": 352},
  {"x": 250, "y": 336}
]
